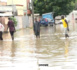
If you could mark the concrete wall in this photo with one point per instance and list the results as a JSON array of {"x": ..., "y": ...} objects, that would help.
[
  {"x": 71, "y": 18},
  {"x": 4, "y": 21},
  {"x": 23, "y": 22}
]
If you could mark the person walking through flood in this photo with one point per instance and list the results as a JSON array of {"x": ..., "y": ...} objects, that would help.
[
  {"x": 11, "y": 28},
  {"x": 1, "y": 31},
  {"x": 65, "y": 25},
  {"x": 36, "y": 28}
]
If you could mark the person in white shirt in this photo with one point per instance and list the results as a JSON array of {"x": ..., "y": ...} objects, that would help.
[{"x": 1, "y": 31}]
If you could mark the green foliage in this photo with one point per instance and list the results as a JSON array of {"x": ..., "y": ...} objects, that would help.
[
  {"x": 59, "y": 7},
  {"x": 76, "y": 5},
  {"x": 14, "y": 20}
]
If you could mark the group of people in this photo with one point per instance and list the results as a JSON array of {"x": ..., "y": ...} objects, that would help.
[
  {"x": 11, "y": 29},
  {"x": 36, "y": 27},
  {"x": 63, "y": 21}
]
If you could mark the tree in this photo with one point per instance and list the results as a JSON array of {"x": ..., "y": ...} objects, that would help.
[
  {"x": 75, "y": 4},
  {"x": 59, "y": 7}
]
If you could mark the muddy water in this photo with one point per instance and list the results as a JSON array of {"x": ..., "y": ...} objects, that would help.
[{"x": 27, "y": 52}]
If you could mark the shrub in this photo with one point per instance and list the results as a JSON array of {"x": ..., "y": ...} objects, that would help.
[{"x": 14, "y": 20}]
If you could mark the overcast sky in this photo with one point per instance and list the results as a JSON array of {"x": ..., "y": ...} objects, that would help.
[{"x": 3, "y": 0}]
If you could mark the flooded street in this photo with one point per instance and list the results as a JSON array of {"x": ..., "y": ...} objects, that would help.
[{"x": 29, "y": 53}]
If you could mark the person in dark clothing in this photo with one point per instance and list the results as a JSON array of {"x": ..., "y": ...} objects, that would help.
[
  {"x": 1, "y": 35},
  {"x": 36, "y": 28},
  {"x": 11, "y": 28}
]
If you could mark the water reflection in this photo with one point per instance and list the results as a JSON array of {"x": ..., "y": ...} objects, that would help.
[
  {"x": 66, "y": 47},
  {"x": 1, "y": 48},
  {"x": 13, "y": 49}
]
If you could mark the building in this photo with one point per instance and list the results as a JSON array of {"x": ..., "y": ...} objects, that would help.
[
  {"x": 29, "y": 7},
  {"x": 21, "y": 6},
  {"x": 3, "y": 3}
]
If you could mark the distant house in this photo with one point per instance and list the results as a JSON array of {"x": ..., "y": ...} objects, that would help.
[
  {"x": 21, "y": 6},
  {"x": 18, "y": 8},
  {"x": 3, "y": 3}
]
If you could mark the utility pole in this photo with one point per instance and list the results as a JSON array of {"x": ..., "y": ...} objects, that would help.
[
  {"x": 32, "y": 11},
  {"x": 12, "y": 8}
]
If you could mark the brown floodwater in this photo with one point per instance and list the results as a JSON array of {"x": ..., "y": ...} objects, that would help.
[{"x": 27, "y": 52}]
